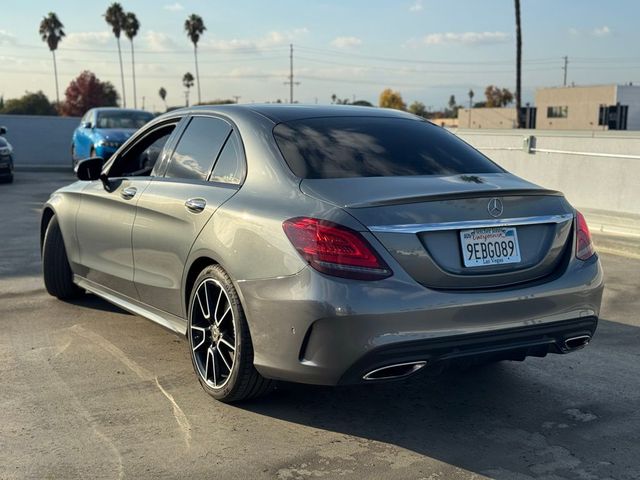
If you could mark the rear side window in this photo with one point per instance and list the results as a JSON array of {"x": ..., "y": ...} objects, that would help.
[
  {"x": 198, "y": 148},
  {"x": 230, "y": 167},
  {"x": 341, "y": 147}
]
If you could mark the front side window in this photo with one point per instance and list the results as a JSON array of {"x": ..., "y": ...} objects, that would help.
[
  {"x": 198, "y": 148},
  {"x": 141, "y": 158},
  {"x": 230, "y": 167},
  {"x": 341, "y": 147}
]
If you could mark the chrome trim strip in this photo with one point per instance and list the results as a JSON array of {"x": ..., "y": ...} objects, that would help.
[
  {"x": 164, "y": 319},
  {"x": 497, "y": 222},
  {"x": 413, "y": 368}
]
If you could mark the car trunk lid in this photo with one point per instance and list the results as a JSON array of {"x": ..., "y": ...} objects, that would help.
[{"x": 421, "y": 220}]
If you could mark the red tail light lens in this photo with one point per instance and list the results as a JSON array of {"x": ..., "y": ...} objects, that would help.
[
  {"x": 584, "y": 245},
  {"x": 335, "y": 250}
]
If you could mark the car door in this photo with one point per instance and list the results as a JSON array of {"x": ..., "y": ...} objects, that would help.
[
  {"x": 107, "y": 210},
  {"x": 83, "y": 135},
  {"x": 173, "y": 210}
]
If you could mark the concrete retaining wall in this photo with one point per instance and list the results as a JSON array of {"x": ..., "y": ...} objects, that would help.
[
  {"x": 40, "y": 140},
  {"x": 588, "y": 181}
]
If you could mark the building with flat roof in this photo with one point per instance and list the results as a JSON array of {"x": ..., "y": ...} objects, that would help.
[{"x": 597, "y": 107}]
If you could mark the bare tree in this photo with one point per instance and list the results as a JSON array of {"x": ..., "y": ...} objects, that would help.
[
  {"x": 51, "y": 32},
  {"x": 115, "y": 17},
  {"x": 194, "y": 26},
  {"x": 131, "y": 27}
]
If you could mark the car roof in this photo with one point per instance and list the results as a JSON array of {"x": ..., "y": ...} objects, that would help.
[
  {"x": 277, "y": 112},
  {"x": 112, "y": 109}
]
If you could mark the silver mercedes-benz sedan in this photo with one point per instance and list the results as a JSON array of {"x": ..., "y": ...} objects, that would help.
[{"x": 323, "y": 245}]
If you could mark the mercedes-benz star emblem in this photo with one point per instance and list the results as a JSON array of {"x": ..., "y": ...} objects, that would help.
[{"x": 495, "y": 207}]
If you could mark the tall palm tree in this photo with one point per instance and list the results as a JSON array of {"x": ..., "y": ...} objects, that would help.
[
  {"x": 163, "y": 95},
  {"x": 518, "y": 66},
  {"x": 115, "y": 17},
  {"x": 51, "y": 32},
  {"x": 187, "y": 81},
  {"x": 131, "y": 27},
  {"x": 194, "y": 26}
]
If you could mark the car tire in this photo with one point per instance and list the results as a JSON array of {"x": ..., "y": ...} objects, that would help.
[
  {"x": 219, "y": 340},
  {"x": 58, "y": 277}
]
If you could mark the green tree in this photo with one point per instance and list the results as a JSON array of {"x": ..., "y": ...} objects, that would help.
[
  {"x": 471, "y": 94},
  {"x": 163, "y": 95},
  {"x": 187, "y": 81},
  {"x": 362, "y": 103},
  {"x": 87, "y": 91},
  {"x": 452, "y": 102},
  {"x": 51, "y": 32},
  {"x": 131, "y": 27},
  {"x": 29, "y": 104},
  {"x": 418, "y": 108},
  {"x": 115, "y": 17},
  {"x": 194, "y": 26},
  {"x": 520, "y": 120},
  {"x": 391, "y": 99},
  {"x": 497, "y": 97}
]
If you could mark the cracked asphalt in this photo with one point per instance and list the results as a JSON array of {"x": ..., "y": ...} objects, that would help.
[{"x": 90, "y": 391}]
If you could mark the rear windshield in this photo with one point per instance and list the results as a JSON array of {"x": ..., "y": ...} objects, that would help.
[{"x": 341, "y": 147}]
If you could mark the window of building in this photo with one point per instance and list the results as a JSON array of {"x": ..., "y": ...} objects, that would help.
[{"x": 557, "y": 112}]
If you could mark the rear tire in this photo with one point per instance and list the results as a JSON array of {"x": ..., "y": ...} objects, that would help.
[
  {"x": 58, "y": 277},
  {"x": 219, "y": 340}
]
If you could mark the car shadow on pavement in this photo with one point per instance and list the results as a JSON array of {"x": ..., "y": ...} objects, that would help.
[
  {"x": 506, "y": 420},
  {"x": 94, "y": 302}
]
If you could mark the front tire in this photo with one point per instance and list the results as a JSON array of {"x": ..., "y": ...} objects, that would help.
[
  {"x": 58, "y": 277},
  {"x": 219, "y": 339}
]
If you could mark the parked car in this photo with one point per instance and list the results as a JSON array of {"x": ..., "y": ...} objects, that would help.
[
  {"x": 323, "y": 245},
  {"x": 6, "y": 158},
  {"x": 103, "y": 130}
]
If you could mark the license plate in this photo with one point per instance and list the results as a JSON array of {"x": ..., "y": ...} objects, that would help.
[{"x": 489, "y": 246}]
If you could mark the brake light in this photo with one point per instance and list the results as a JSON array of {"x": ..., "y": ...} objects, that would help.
[
  {"x": 584, "y": 245},
  {"x": 335, "y": 250}
]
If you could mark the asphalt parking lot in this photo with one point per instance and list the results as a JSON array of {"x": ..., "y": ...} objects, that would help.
[{"x": 90, "y": 391}]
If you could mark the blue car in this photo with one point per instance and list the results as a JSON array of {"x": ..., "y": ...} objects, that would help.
[{"x": 103, "y": 130}]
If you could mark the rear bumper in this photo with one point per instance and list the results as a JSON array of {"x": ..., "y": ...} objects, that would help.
[
  {"x": 6, "y": 166},
  {"x": 311, "y": 328},
  {"x": 508, "y": 344}
]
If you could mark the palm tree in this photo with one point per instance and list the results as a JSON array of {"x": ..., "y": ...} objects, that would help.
[
  {"x": 194, "y": 26},
  {"x": 115, "y": 17},
  {"x": 163, "y": 95},
  {"x": 518, "y": 65},
  {"x": 131, "y": 27},
  {"x": 51, "y": 32},
  {"x": 471, "y": 94},
  {"x": 187, "y": 81}
]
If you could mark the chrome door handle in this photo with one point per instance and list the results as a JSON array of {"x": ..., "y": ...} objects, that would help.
[
  {"x": 128, "y": 193},
  {"x": 195, "y": 205}
]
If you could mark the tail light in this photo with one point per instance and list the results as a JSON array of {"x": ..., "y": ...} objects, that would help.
[
  {"x": 584, "y": 245},
  {"x": 335, "y": 250}
]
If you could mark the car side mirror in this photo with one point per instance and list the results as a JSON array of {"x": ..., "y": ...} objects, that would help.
[
  {"x": 86, "y": 125},
  {"x": 89, "y": 168},
  {"x": 3, "y": 130}
]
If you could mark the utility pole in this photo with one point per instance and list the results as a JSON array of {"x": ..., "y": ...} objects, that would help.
[
  {"x": 290, "y": 82},
  {"x": 566, "y": 63}
]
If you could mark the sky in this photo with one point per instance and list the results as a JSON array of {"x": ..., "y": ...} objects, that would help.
[{"x": 425, "y": 49}]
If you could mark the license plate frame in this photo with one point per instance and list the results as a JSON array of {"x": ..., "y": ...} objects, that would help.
[{"x": 489, "y": 246}]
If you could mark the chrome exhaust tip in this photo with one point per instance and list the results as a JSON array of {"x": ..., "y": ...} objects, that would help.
[
  {"x": 575, "y": 343},
  {"x": 397, "y": 370}
]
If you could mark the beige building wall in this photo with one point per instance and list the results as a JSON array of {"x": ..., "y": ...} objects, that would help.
[
  {"x": 582, "y": 106},
  {"x": 487, "y": 118}
]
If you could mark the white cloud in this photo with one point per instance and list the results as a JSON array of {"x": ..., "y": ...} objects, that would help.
[
  {"x": 417, "y": 6},
  {"x": 271, "y": 39},
  {"x": 174, "y": 7},
  {"x": 7, "y": 38},
  {"x": 574, "y": 31},
  {"x": 159, "y": 42},
  {"x": 466, "y": 38},
  {"x": 87, "y": 39},
  {"x": 603, "y": 31},
  {"x": 346, "y": 42}
]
